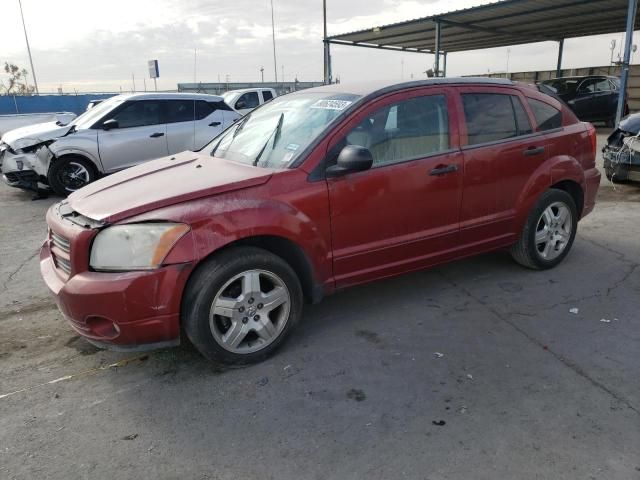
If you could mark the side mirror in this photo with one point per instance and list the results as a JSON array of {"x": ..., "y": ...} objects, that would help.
[
  {"x": 109, "y": 124},
  {"x": 240, "y": 104},
  {"x": 352, "y": 158}
]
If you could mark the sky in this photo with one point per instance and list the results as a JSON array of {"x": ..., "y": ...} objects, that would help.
[{"x": 91, "y": 45}]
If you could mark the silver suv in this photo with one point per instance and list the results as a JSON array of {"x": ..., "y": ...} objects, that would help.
[{"x": 118, "y": 133}]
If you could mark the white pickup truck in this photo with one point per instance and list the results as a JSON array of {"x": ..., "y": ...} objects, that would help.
[{"x": 243, "y": 101}]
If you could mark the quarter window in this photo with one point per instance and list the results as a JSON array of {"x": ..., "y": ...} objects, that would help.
[
  {"x": 491, "y": 117},
  {"x": 140, "y": 113},
  {"x": 267, "y": 95},
  {"x": 547, "y": 117},
  {"x": 405, "y": 130}
]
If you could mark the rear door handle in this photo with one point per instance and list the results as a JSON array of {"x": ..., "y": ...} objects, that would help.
[
  {"x": 156, "y": 135},
  {"x": 443, "y": 170},
  {"x": 529, "y": 152},
  {"x": 214, "y": 124}
]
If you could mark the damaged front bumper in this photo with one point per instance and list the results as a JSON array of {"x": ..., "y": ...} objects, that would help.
[
  {"x": 621, "y": 156},
  {"x": 26, "y": 170}
]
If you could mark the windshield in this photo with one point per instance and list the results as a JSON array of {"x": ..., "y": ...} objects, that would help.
[
  {"x": 88, "y": 118},
  {"x": 562, "y": 86},
  {"x": 275, "y": 134}
]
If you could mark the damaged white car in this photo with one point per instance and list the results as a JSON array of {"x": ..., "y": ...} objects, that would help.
[{"x": 118, "y": 133}]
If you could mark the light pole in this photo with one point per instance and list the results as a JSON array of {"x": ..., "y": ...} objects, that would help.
[
  {"x": 327, "y": 52},
  {"x": 262, "y": 74},
  {"x": 273, "y": 34},
  {"x": 26, "y": 38}
]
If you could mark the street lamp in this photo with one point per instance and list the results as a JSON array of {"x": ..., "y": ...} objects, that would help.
[{"x": 262, "y": 74}]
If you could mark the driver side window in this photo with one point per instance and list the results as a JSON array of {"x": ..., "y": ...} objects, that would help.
[
  {"x": 409, "y": 129},
  {"x": 140, "y": 113},
  {"x": 248, "y": 100}
]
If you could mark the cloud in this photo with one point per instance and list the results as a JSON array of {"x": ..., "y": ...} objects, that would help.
[{"x": 81, "y": 47}]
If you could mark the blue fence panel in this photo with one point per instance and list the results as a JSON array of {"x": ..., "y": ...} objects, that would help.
[{"x": 49, "y": 103}]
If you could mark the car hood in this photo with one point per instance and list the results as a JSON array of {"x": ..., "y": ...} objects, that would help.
[
  {"x": 24, "y": 137},
  {"x": 163, "y": 182}
]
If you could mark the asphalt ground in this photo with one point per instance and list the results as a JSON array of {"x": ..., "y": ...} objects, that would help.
[{"x": 473, "y": 370}]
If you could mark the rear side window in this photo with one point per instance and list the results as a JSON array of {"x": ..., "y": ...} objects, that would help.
[
  {"x": 187, "y": 110},
  {"x": 490, "y": 117},
  {"x": 547, "y": 117},
  {"x": 522, "y": 119},
  {"x": 267, "y": 95}
]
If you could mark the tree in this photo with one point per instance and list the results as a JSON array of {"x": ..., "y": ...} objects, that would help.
[{"x": 17, "y": 83}]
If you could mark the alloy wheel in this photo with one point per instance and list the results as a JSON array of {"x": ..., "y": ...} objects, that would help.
[
  {"x": 250, "y": 311},
  {"x": 74, "y": 176},
  {"x": 553, "y": 230}
]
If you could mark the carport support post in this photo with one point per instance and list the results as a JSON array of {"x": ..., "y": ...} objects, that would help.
[
  {"x": 444, "y": 64},
  {"x": 560, "y": 49},
  {"x": 624, "y": 78},
  {"x": 437, "y": 62}
]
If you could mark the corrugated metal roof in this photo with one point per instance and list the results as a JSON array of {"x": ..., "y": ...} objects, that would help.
[{"x": 509, "y": 22}]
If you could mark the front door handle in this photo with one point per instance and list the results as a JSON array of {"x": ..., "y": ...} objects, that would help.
[
  {"x": 529, "y": 152},
  {"x": 214, "y": 124},
  {"x": 443, "y": 170},
  {"x": 156, "y": 135}
]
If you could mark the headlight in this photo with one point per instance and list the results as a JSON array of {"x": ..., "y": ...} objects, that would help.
[{"x": 139, "y": 246}]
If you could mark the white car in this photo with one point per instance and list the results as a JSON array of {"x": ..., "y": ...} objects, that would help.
[
  {"x": 243, "y": 101},
  {"x": 117, "y": 133}
]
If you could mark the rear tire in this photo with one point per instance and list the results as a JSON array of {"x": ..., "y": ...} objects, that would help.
[
  {"x": 71, "y": 173},
  {"x": 240, "y": 305},
  {"x": 549, "y": 231}
]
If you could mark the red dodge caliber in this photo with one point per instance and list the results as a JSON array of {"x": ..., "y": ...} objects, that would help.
[{"x": 313, "y": 192}]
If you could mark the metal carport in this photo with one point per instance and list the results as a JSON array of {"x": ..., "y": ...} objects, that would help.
[{"x": 504, "y": 23}]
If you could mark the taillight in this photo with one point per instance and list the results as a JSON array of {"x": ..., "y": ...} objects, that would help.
[{"x": 591, "y": 130}]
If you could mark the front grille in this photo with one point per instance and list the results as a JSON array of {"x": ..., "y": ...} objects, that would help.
[{"x": 61, "y": 252}]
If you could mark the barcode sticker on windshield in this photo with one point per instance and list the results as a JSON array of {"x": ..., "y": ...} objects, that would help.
[{"x": 332, "y": 104}]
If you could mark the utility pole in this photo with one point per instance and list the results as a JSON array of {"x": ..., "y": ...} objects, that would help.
[
  {"x": 327, "y": 52},
  {"x": 133, "y": 80},
  {"x": 273, "y": 34},
  {"x": 26, "y": 38},
  {"x": 195, "y": 63},
  {"x": 282, "y": 79}
]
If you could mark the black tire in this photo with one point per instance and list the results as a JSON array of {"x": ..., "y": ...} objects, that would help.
[
  {"x": 525, "y": 250},
  {"x": 208, "y": 281},
  {"x": 60, "y": 174}
]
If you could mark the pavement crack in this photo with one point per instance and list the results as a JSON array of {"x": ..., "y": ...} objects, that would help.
[
  {"x": 564, "y": 360},
  {"x": 5, "y": 284}
]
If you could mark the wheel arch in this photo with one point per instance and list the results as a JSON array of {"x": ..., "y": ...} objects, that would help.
[
  {"x": 574, "y": 189},
  {"x": 286, "y": 249}
]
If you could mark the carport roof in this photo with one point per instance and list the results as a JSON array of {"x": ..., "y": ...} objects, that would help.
[{"x": 509, "y": 22}]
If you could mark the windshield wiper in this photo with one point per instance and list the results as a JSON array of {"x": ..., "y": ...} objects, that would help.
[
  {"x": 239, "y": 126},
  {"x": 276, "y": 136}
]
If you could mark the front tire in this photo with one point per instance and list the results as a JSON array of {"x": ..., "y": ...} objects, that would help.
[
  {"x": 69, "y": 174},
  {"x": 241, "y": 305},
  {"x": 549, "y": 231}
]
